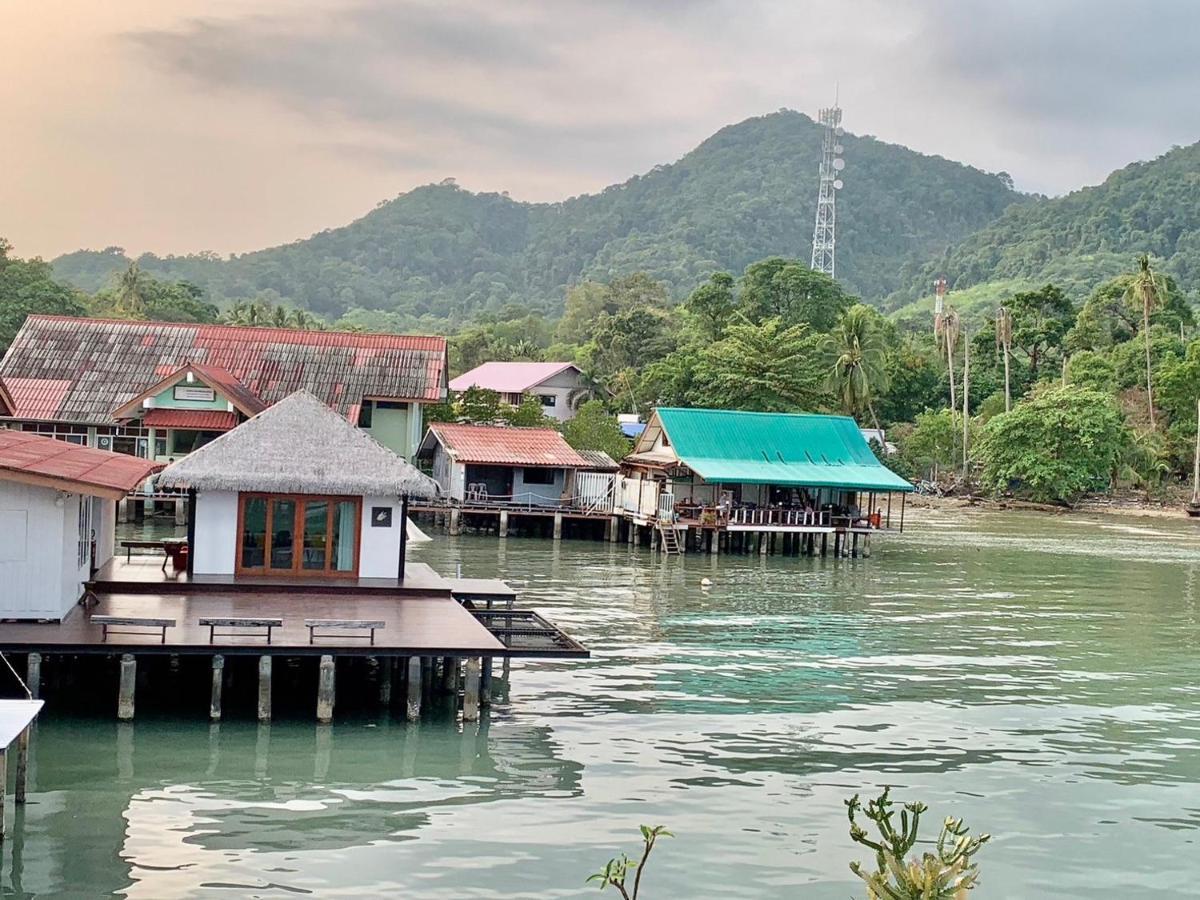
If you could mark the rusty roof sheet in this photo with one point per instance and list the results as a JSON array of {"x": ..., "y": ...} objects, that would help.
[
  {"x": 74, "y": 468},
  {"x": 80, "y": 370},
  {"x": 7, "y": 404},
  {"x": 506, "y": 446},
  {"x": 198, "y": 419}
]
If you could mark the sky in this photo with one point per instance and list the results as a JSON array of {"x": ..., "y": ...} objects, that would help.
[{"x": 179, "y": 126}]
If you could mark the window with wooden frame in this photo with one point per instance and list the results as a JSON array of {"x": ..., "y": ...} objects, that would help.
[{"x": 298, "y": 534}]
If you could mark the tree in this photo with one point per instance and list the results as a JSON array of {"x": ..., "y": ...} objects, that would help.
[
  {"x": 914, "y": 379},
  {"x": 946, "y": 327},
  {"x": 712, "y": 305},
  {"x": 1146, "y": 291},
  {"x": 592, "y": 428},
  {"x": 764, "y": 366},
  {"x": 1004, "y": 336},
  {"x": 28, "y": 287},
  {"x": 1091, "y": 370},
  {"x": 930, "y": 445},
  {"x": 1054, "y": 446},
  {"x": 479, "y": 406},
  {"x": 857, "y": 361},
  {"x": 528, "y": 415},
  {"x": 790, "y": 291},
  {"x": 1040, "y": 321},
  {"x": 616, "y": 872},
  {"x": 130, "y": 292}
]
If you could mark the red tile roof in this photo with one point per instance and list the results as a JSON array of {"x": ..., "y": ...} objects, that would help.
[
  {"x": 199, "y": 419},
  {"x": 32, "y": 458},
  {"x": 498, "y": 445},
  {"x": 89, "y": 367}
]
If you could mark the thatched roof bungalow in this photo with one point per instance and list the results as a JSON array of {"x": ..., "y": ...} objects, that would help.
[{"x": 297, "y": 491}]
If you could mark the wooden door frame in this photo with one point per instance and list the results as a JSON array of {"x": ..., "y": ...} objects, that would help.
[{"x": 297, "y": 570}]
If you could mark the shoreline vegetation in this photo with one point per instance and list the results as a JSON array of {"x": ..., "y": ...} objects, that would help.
[{"x": 1122, "y": 504}]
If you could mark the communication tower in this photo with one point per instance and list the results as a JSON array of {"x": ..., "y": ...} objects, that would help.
[{"x": 824, "y": 238}]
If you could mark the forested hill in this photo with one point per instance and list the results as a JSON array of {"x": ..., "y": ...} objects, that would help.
[
  {"x": 1085, "y": 237},
  {"x": 748, "y": 192}
]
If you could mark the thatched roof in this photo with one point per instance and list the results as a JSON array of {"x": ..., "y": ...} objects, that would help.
[{"x": 298, "y": 446}]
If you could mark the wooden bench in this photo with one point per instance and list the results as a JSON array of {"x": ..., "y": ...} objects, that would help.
[
  {"x": 106, "y": 622},
  {"x": 343, "y": 625},
  {"x": 130, "y": 546},
  {"x": 213, "y": 623}
]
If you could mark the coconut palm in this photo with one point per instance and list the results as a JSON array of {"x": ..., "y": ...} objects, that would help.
[
  {"x": 1004, "y": 335},
  {"x": 130, "y": 295},
  {"x": 857, "y": 358},
  {"x": 1147, "y": 290},
  {"x": 946, "y": 328}
]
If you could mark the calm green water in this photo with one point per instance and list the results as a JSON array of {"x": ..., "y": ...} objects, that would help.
[{"x": 1039, "y": 676}]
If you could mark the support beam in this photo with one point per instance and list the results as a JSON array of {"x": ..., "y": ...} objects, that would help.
[
  {"x": 412, "y": 706},
  {"x": 504, "y": 523},
  {"x": 218, "y": 682},
  {"x": 181, "y": 511},
  {"x": 3, "y": 788},
  {"x": 128, "y": 686},
  {"x": 123, "y": 510},
  {"x": 325, "y": 690},
  {"x": 764, "y": 543},
  {"x": 264, "y": 689},
  {"x": 22, "y": 765},
  {"x": 485, "y": 682},
  {"x": 632, "y": 536},
  {"x": 449, "y": 675},
  {"x": 614, "y": 529},
  {"x": 387, "y": 664},
  {"x": 558, "y": 520},
  {"x": 455, "y": 521},
  {"x": 471, "y": 691},
  {"x": 33, "y": 675}
]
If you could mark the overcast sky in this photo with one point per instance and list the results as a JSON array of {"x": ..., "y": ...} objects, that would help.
[{"x": 226, "y": 125}]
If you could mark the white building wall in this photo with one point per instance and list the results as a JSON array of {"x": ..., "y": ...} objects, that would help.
[
  {"x": 39, "y": 578},
  {"x": 559, "y": 387},
  {"x": 215, "y": 552},
  {"x": 379, "y": 548},
  {"x": 104, "y": 523}
]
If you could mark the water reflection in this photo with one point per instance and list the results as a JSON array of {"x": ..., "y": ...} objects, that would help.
[{"x": 1035, "y": 674}]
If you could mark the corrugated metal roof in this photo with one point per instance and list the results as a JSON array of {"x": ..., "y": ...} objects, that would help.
[
  {"x": 803, "y": 449},
  {"x": 599, "y": 460},
  {"x": 7, "y": 404},
  {"x": 74, "y": 468},
  {"x": 105, "y": 363},
  {"x": 199, "y": 419},
  {"x": 37, "y": 398},
  {"x": 503, "y": 446},
  {"x": 509, "y": 377},
  {"x": 220, "y": 380}
]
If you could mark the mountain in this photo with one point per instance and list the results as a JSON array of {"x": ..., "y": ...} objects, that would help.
[
  {"x": 1081, "y": 239},
  {"x": 442, "y": 253}
]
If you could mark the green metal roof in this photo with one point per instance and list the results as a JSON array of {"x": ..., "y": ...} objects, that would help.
[{"x": 800, "y": 449}]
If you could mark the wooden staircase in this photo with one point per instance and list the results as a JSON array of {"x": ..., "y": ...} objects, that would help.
[{"x": 669, "y": 540}]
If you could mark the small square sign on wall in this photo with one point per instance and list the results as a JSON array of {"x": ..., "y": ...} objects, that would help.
[{"x": 381, "y": 517}]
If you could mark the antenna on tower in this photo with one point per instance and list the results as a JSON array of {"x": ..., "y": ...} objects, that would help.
[{"x": 824, "y": 238}]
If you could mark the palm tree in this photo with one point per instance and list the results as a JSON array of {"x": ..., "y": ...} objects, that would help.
[
  {"x": 946, "y": 328},
  {"x": 1147, "y": 290},
  {"x": 1004, "y": 335},
  {"x": 857, "y": 358},
  {"x": 132, "y": 287}
]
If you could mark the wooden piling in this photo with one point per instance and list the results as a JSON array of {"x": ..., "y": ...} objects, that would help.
[
  {"x": 558, "y": 522},
  {"x": 455, "y": 522},
  {"x": 764, "y": 543},
  {"x": 22, "y": 765},
  {"x": 3, "y": 788},
  {"x": 449, "y": 675},
  {"x": 33, "y": 675},
  {"x": 325, "y": 690},
  {"x": 127, "y": 687},
  {"x": 264, "y": 688},
  {"x": 218, "y": 682},
  {"x": 504, "y": 523},
  {"x": 385, "y": 681},
  {"x": 471, "y": 691},
  {"x": 614, "y": 529},
  {"x": 485, "y": 682},
  {"x": 412, "y": 706}
]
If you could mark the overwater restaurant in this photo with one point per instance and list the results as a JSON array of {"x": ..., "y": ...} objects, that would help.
[{"x": 734, "y": 473}]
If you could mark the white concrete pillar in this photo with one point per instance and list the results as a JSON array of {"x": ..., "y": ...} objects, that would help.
[
  {"x": 504, "y": 523},
  {"x": 471, "y": 691},
  {"x": 264, "y": 689},
  {"x": 558, "y": 522},
  {"x": 127, "y": 687},
  {"x": 412, "y": 706},
  {"x": 218, "y": 682},
  {"x": 325, "y": 690}
]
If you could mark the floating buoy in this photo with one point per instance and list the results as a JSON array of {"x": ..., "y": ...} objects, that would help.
[{"x": 705, "y": 582}]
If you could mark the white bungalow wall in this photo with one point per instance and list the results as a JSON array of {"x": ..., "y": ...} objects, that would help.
[
  {"x": 41, "y": 572},
  {"x": 215, "y": 552},
  {"x": 558, "y": 387}
]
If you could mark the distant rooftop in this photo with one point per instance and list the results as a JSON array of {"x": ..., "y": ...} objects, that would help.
[
  {"x": 34, "y": 459},
  {"x": 509, "y": 377},
  {"x": 81, "y": 370},
  {"x": 503, "y": 445}
]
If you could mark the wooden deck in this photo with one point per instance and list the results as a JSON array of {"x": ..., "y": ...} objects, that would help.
[{"x": 414, "y": 626}]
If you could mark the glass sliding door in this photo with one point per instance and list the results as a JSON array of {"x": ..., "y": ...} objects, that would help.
[
  {"x": 298, "y": 535},
  {"x": 316, "y": 535},
  {"x": 283, "y": 534}
]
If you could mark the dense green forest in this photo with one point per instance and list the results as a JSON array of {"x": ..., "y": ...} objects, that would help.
[
  {"x": 1077, "y": 240},
  {"x": 437, "y": 256}
]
